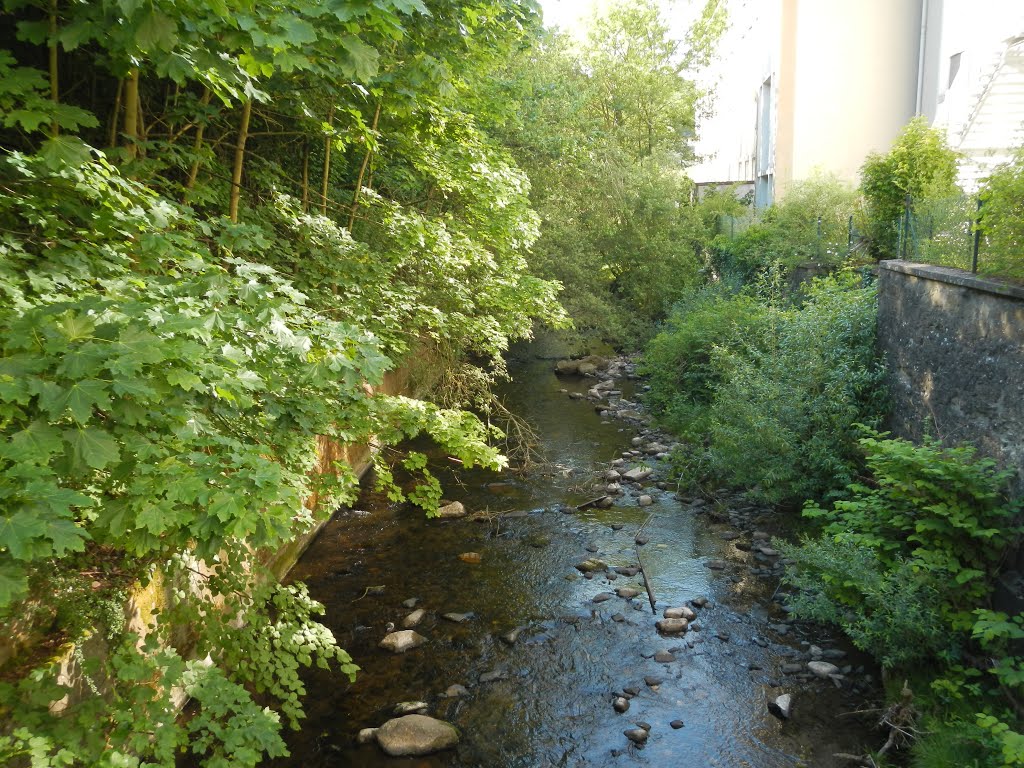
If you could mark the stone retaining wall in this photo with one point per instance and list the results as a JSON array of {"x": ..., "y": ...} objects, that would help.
[{"x": 954, "y": 349}]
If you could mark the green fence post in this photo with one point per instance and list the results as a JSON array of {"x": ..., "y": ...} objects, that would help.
[{"x": 977, "y": 238}]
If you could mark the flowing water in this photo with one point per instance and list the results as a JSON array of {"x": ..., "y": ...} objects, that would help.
[{"x": 551, "y": 704}]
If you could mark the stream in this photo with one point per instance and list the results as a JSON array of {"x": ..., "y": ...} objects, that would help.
[{"x": 544, "y": 695}]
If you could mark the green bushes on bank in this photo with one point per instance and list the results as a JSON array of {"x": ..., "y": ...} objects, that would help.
[
  {"x": 768, "y": 390},
  {"x": 905, "y": 566}
]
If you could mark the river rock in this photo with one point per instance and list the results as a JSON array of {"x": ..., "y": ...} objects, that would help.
[
  {"x": 473, "y": 558},
  {"x": 645, "y": 501},
  {"x": 367, "y": 736},
  {"x": 402, "y": 641},
  {"x": 414, "y": 618},
  {"x": 642, "y": 539},
  {"x": 781, "y": 706},
  {"x": 652, "y": 681},
  {"x": 451, "y": 511},
  {"x": 677, "y": 724},
  {"x": 410, "y": 708},
  {"x": 455, "y": 691},
  {"x": 612, "y": 476},
  {"x": 636, "y": 735},
  {"x": 664, "y": 657},
  {"x": 672, "y": 626},
  {"x": 627, "y": 570},
  {"x": 510, "y": 637},
  {"x": 637, "y": 474},
  {"x": 716, "y": 565},
  {"x": 416, "y": 735},
  {"x": 602, "y": 597},
  {"x": 567, "y": 367},
  {"x": 682, "y": 612},
  {"x": 493, "y": 675},
  {"x": 410, "y": 603},
  {"x": 591, "y": 565},
  {"x": 627, "y": 593},
  {"x": 458, "y": 618},
  {"x": 822, "y": 669},
  {"x": 621, "y": 704}
]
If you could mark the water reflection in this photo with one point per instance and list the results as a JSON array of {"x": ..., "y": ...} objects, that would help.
[{"x": 548, "y": 701}]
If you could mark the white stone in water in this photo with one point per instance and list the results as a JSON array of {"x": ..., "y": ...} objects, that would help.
[
  {"x": 402, "y": 641},
  {"x": 416, "y": 735},
  {"x": 645, "y": 501},
  {"x": 410, "y": 708},
  {"x": 672, "y": 626},
  {"x": 414, "y": 618},
  {"x": 822, "y": 668},
  {"x": 637, "y": 474},
  {"x": 451, "y": 511},
  {"x": 367, "y": 735},
  {"x": 782, "y": 706},
  {"x": 682, "y": 612}
]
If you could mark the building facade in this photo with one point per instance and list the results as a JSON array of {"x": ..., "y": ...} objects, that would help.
[{"x": 806, "y": 86}]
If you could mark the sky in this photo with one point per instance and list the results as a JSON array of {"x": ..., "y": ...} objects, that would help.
[{"x": 572, "y": 15}]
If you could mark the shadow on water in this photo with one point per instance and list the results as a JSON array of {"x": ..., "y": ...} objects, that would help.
[{"x": 550, "y": 700}]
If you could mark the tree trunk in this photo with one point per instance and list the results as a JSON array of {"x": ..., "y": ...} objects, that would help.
[
  {"x": 236, "y": 174},
  {"x": 131, "y": 112},
  {"x": 305, "y": 175},
  {"x": 362, "y": 173},
  {"x": 54, "y": 73},
  {"x": 197, "y": 145},
  {"x": 116, "y": 117},
  {"x": 328, "y": 143}
]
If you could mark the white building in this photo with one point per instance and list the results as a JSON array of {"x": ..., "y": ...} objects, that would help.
[{"x": 806, "y": 85}]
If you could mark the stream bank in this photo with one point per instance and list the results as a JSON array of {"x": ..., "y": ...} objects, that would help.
[{"x": 541, "y": 662}]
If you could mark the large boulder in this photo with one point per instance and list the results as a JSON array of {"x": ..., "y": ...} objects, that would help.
[
  {"x": 416, "y": 735},
  {"x": 402, "y": 641},
  {"x": 451, "y": 511}
]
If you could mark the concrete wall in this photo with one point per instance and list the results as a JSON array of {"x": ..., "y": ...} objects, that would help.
[{"x": 954, "y": 346}]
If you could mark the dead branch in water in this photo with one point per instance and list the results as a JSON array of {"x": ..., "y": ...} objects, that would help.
[{"x": 643, "y": 569}]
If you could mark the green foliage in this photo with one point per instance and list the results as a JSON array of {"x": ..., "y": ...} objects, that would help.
[
  {"x": 920, "y": 165},
  {"x": 808, "y": 226},
  {"x": 166, "y": 372},
  {"x": 938, "y": 509},
  {"x": 681, "y": 360},
  {"x": 769, "y": 390},
  {"x": 603, "y": 132},
  {"x": 1002, "y": 220},
  {"x": 904, "y": 566}
]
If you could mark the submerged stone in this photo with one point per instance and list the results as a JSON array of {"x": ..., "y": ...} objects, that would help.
[{"x": 416, "y": 735}]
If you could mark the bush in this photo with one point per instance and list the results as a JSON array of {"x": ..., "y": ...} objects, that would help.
[
  {"x": 1002, "y": 219},
  {"x": 920, "y": 165},
  {"x": 789, "y": 233},
  {"x": 782, "y": 421},
  {"x": 680, "y": 359},
  {"x": 770, "y": 390}
]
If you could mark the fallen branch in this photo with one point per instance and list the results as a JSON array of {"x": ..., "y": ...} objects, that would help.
[
  {"x": 643, "y": 569},
  {"x": 591, "y": 503}
]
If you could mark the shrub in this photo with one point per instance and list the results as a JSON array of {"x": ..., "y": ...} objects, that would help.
[
  {"x": 679, "y": 360},
  {"x": 781, "y": 420},
  {"x": 920, "y": 165},
  {"x": 808, "y": 225},
  {"x": 1002, "y": 219}
]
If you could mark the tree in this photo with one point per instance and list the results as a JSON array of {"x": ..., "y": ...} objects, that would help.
[{"x": 919, "y": 165}]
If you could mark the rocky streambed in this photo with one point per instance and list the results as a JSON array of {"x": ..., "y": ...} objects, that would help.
[{"x": 519, "y": 630}]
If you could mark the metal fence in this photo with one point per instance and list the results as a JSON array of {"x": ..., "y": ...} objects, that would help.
[{"x": 943, "y": 232}]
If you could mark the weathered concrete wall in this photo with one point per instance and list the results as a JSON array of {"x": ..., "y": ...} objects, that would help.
[{"x": 954, "y": 348}]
